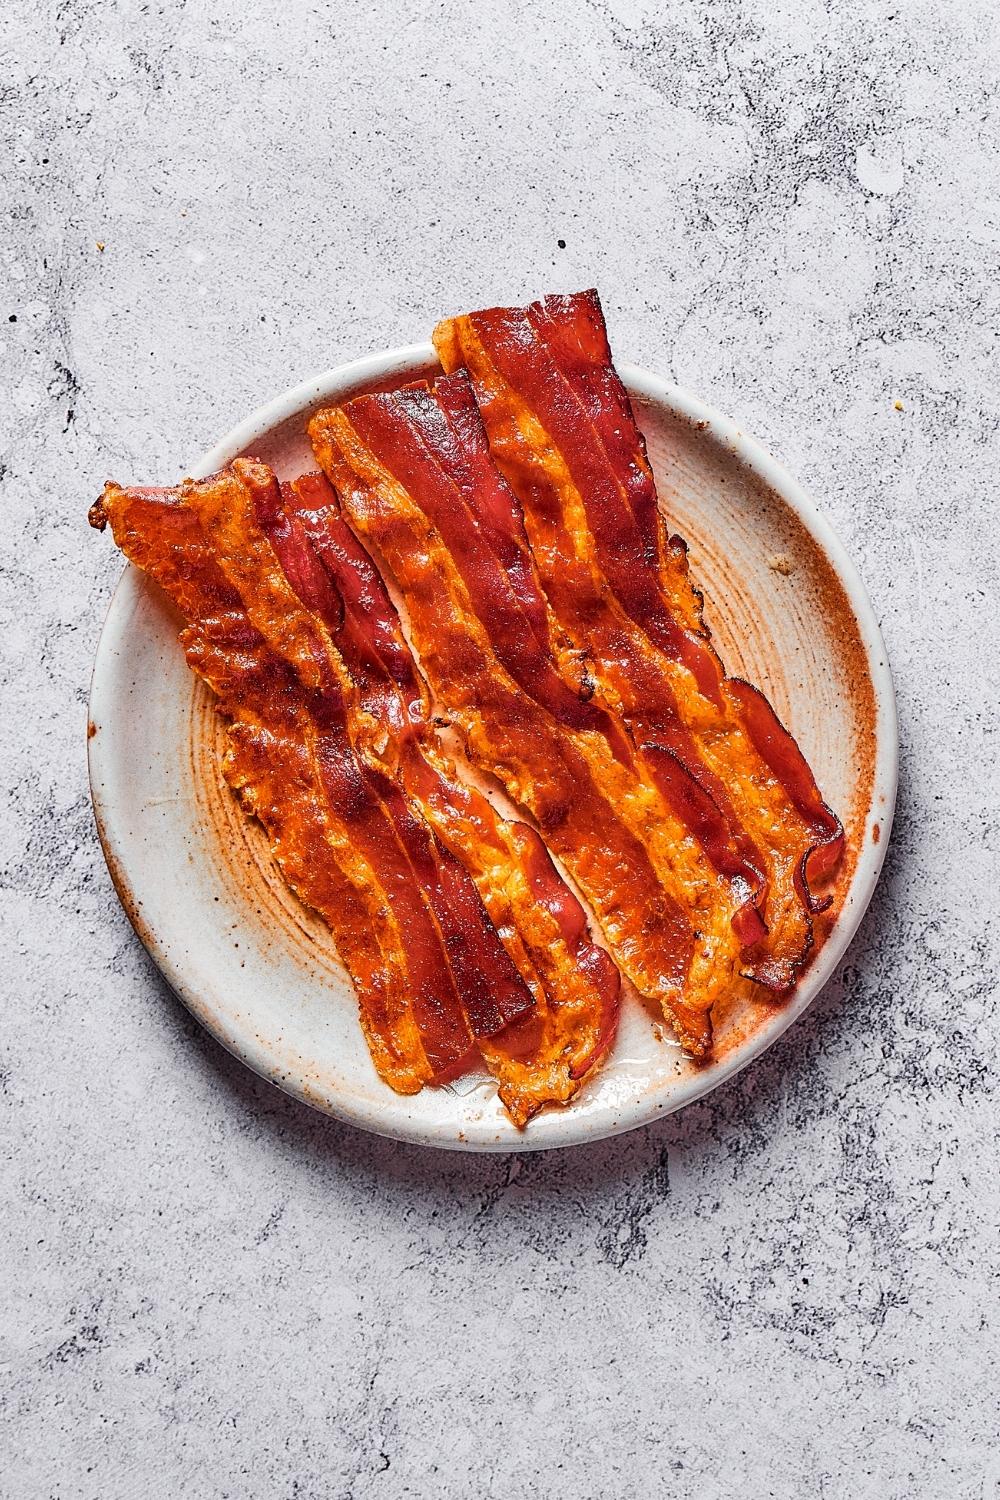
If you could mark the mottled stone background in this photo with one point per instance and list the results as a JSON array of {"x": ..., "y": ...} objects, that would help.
[{"x": 789, "y": 1290}]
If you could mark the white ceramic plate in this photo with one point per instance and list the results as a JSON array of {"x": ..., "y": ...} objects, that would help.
[{"x": 788, "y": 611}]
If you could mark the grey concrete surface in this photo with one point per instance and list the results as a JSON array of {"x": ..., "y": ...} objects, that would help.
[{"x": 789, "y": 1290}]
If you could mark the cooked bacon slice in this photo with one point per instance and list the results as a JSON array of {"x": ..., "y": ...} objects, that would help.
[
  {"x": 296, "y": 771},
  {"x": 575, "y": 983},
  {"x": 288, "y": 597},
  {"x": 294, "y": 581},
  {"x": 562, "y": 431},
  {"x": 413, "y": 473}
]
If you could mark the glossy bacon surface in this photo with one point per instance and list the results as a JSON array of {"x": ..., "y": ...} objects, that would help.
[
  {"x": 413, "y": 472},
  {"x": 562, "y": 431},
  {"x": 290, "y": 624}
]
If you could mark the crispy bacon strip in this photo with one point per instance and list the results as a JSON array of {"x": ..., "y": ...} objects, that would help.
[
  {"x": 413, "y": 473},
  {"x": 337, "y": 589},
  {"x": 562, "y": 431},
  {"x": 575, "y": 983},
  {"x": 298, "y": 774}
]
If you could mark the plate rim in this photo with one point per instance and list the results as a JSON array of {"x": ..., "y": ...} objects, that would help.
[{"x": 552, "y": 1129}]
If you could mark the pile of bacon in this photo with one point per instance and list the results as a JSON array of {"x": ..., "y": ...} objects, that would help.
[{"x": 557, "y": 630}]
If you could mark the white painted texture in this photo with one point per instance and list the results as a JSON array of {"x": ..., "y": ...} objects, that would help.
[{"x": 788, "y": 1290}]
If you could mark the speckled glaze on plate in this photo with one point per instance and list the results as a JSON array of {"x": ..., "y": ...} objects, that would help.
[{"x": 787, "y": 611}]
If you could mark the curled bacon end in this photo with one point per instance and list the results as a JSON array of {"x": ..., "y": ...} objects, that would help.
[
  {"x": 780, "y": 752},
  {"x": 555, "y": 895}
]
